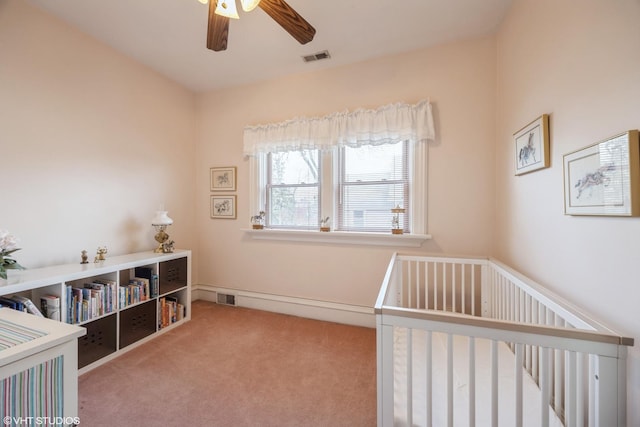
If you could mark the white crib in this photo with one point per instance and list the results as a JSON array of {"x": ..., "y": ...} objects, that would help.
[{"x": 471, "y": 342}]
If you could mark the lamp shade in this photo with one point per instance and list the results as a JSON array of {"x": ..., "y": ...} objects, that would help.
[
  {"x": 397, "y": 210},
  {"x": 161, "y": 218},
  {"x": 249, "y": 5},
  {"x": 227, "y": 8}
]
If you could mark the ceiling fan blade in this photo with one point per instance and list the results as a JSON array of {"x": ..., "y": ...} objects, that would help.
[
  {"x": 289, "y": 19},
  {"x": 218, "y": 29}
]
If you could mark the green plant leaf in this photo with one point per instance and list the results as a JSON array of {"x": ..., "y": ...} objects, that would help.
[{"x": 10, "y": 252}]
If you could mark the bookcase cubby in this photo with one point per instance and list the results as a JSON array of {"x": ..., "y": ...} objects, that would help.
[{"x": 122, "y": 301}]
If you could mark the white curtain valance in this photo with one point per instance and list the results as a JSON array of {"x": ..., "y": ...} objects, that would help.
[{"x": 385, "y": 125}]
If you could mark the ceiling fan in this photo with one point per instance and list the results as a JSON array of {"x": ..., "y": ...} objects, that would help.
[{"x": 221, "y": 10}]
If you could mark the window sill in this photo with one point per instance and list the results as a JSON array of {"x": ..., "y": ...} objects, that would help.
[{"x": 341, "y": 237}]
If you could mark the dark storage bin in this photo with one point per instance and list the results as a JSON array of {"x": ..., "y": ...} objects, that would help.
[
  {"x": 99, "y": 342},
  {"x": 137, "y": 322},
  {"x": 173, "y": 275}
]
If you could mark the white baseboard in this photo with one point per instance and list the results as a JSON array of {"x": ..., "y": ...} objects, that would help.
[{"x": 320, "y": 310}]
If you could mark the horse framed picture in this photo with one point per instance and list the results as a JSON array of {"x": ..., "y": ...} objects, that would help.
[
  {"x": 532, "y": 146},
  {"x": 603, "y": 178}
]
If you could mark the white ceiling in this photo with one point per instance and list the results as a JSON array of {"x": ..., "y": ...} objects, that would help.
[{"x": 170, "y": 35}]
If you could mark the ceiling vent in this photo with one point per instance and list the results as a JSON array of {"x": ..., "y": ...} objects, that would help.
[{"x": 317, "y": 56}]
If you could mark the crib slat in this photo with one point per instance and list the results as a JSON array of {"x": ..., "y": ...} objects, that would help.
[
  {"x": 444, "y": 287},
  {"x": 580, "y": 389},
  {"x": 429, "y": 379},
  {"x": 518, "y": 376},
  {"x": 418, "y": 285},
  {"x": 453, "y": 288},
  {"x": 558, "y": 370},
  {"x": 472, "y": 382},
  {"x": 463, "y": 289},
  {"x": 570, "y": 389},
  {"x": 473, "y": 291},
  {"x": 592, "y": 389},
  {"x": 435, "y": 286},
  {"x": 409, "y": 290},
  {"x": 426, "y": 285},
  {"x": 450, "y": 380},
  {"x": 545, "y": 386},
  {"x": 534, "y": 350},
  {"x": 409, "y": 377},
  {"x": 494, "y": 383}
]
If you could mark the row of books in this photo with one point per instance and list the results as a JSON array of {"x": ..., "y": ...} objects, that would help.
[
  {"x": 136, "y": 291},
  {"x": 49, "y": 305},
  {"x": 141, "y": 288},
  {"x": 92, "y": 300},
  {"x": 170, "y": 311},
  {"x": 102, "y": 296}
]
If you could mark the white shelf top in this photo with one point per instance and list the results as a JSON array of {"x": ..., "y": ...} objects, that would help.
[{"x": 22, "y": 280}]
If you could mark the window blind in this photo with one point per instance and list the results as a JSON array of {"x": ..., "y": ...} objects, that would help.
[{"x": 372, "y": 181}]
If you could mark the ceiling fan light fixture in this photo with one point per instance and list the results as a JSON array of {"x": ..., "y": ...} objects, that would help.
[
  {"x": 249, "y": 5},
  {"x": 227, "y": 8}
]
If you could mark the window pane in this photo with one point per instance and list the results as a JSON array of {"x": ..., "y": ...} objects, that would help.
[
  {"x": 294, "y": 167},
  {"x": 369, "y": 163},
  {"x": 373, "y": 180},
  {"x": 293, "y": 189},
  {"x": 294, "y": 207}
]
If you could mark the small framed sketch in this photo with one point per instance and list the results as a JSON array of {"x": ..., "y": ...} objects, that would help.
[
  {"x": 603, "y": 179},
  {"x": 223, "y": 179},
  {"x": 532, "y": 146},
  {"x": 223, "y": 207}
]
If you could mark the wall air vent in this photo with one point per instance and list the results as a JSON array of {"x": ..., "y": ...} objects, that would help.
[
  {"x": 226, "y": 299},
  {"x": 317, "y": 56}
]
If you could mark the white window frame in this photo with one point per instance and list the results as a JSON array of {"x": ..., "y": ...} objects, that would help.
[
  {"x": 418, "y": 157},
  {"x": 268, "y": 185},
  {"x": 339, "y": 158}
]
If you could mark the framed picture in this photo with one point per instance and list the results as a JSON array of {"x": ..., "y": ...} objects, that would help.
[
  {"x": 223, "y": 207},
  {"x": 532, "y": 146},
  {"x": 223, "y": 179},
  {"x": 602, "y": 179}
]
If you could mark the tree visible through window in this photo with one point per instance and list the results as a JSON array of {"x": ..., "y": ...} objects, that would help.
[{"x": 293, "y": 189}]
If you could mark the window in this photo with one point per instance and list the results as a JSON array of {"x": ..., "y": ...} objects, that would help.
[
  {"x": 351, "y": 166},
  {"x": 372, "y": 180},
  {"x": 357, "y": 189},
  {"x": 293, "y": 189}
]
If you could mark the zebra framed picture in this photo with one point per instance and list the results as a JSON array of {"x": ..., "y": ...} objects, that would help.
[
  {"x": 532, "y": 146},
  {"x": 223, "y": 207},
  {"x": 603, "y": 178},
  {"x": 223, "y": 179}
]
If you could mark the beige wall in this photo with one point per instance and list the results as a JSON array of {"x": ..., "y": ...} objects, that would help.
[
  {"x": 578, "y": 61},
  {"x": 91, "y": 143},
  {"x": 460, "y": 81},
  {"x": 95, "y": 142}
]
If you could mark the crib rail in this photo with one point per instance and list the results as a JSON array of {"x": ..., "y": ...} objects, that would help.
[{"x": 577, "y": 364}]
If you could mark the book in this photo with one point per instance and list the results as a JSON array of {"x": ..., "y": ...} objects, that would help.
[
  {"x": 144, "y": 283},
  {"x": 155, "y": 290},
  {"x": 147, "y": 273},
  {"x": 110, "y": 297},
  {"x": 28, "y": 304},
  {"x": 8, "y": 302},
  {"x": 50, "y": 305}
]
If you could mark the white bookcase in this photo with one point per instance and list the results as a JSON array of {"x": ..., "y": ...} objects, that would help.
[{"x": 111, "y": 333}]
